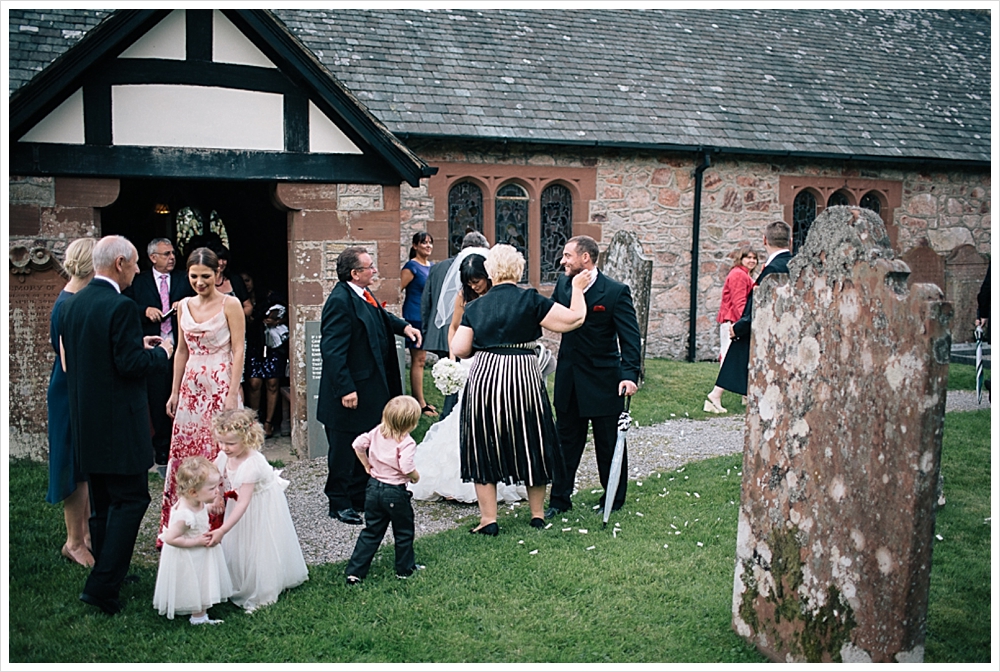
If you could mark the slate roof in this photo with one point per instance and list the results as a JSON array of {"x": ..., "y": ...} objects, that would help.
[{"x": 892, "y": 84}]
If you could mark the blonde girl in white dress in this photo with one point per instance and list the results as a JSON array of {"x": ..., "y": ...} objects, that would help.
[
  {"x": 192, "y": 575},
  {"x": 258, "y": 537}
]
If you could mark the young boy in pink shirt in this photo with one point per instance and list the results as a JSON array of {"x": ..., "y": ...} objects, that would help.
[{"x": 387, "y": 453}]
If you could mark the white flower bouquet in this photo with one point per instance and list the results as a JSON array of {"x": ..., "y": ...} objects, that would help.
[{"x": 449, "y": 375}]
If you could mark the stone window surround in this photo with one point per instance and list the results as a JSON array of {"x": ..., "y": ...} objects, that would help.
[
  {"x": 581, "y": 182},
  {"x": 888, "y": 192}
]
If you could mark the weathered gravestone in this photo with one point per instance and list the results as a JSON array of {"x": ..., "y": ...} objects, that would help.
[
  {"x": 847, "y": 383},
  {"x": 624, "y": 261}
]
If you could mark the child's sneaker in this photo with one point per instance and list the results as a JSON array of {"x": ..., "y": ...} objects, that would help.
[
  {"x": 354, "y": 580},
  {"x": 415, "y": 568}
]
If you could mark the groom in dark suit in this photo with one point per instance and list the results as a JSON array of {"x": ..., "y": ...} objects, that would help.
[
  {"x": 360, "y": 374},
  {"x": 598, "y": 364},
  {"x": 157, "y": 291},
  {"x": 107, "y": 361}
]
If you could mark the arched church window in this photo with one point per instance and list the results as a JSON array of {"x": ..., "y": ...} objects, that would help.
[
  {"x": 872, "y": 202},
  {"x": 838, "y": 198},
  {"x": 465, "y": 213},
  {"x": 512, "y": 220},
  {"x": 803, "y": 214},
  {"x": 557, "y": 228}
]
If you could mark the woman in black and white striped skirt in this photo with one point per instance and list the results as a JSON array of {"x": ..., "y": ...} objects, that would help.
[{"x": 507, "y": 433}]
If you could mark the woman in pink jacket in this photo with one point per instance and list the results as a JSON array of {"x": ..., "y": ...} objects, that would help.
[{"x": 735, "y": 291}]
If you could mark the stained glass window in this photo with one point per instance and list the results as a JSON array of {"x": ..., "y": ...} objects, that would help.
[
  {"x": 512, "y": 220},
  {"x": 557, "y": 228},
  {"x": 837, "y": 198},
  {"x": 871, "y": 202},
  {"x": 803, "y": 214},
  {"x": 465, "y": 214}
]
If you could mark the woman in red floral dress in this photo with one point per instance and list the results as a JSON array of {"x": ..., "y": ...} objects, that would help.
[{"x": 209, "y": 352}]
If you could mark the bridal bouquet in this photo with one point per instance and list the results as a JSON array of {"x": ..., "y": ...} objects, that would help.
[{"x": 449, "y": 375}]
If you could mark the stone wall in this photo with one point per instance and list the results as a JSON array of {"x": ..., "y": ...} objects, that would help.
[
  {"x": 652, "y": 195},
  {"x": 45, "y": 215}
]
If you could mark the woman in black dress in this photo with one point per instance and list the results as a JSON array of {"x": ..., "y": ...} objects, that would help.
[{"x": 506, "y": 429}]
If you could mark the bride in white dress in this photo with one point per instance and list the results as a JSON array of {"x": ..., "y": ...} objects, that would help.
[{"x": 437, "y": 457}]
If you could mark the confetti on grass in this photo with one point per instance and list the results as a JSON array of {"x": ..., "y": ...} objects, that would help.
[
  {"x": 939, "y": 537},
  {"x": 534, "y": 552},
  {"x": 590, "y": 548}
]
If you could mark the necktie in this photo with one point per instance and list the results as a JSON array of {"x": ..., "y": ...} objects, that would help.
[
  {"x": 165, "y": 326},
  {"x": 370, "y": 299}
]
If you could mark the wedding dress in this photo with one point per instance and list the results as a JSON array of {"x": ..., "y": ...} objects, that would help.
[{"x": 437, "y": 462}]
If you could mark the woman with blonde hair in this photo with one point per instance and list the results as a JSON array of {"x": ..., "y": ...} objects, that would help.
[
  {"x": 506, "y": 429},
  {"x": 66, "y": 483}
]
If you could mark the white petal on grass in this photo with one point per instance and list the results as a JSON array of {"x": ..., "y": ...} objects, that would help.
[
  {"x": 939, "y": 537},
  {"x": 590, "y": 548},
  {"x": 700, "y": 544},
  {"x": 548, "y": 526},
  {"x": 582, "y": 531},
  {"x": 566, "y": 529},
  {"x": 666, "y": 546},
  {"x": 697, "y": 495},
  {"x": 639, "y": 513}
]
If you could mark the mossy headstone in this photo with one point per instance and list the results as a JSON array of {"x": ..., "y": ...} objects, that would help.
[{"x": 847, "y": 383}]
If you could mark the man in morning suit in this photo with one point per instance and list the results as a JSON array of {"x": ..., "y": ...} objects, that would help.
[
  {"x": 360, "y": 374},
  {"x": 597, "y": 364},
  {"x": 107, "y": 362},
  {"x": 733, "y": 374},
  {"x": 157, "y": 291}
]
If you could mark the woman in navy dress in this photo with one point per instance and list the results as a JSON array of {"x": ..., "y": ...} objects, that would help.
[
  {"x": 506, "y": 430},
  {"x": 66, "y": 483},
  {"x": 412, "y": 279}
]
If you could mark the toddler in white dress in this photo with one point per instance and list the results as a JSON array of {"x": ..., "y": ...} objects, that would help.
[
  {"x": 192, "y": 575},
  {"x": 258, "y": 537}
]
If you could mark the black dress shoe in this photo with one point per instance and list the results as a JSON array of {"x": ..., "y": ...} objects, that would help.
[
  {"x": 106, "y": 604},
  {"x": 349, "y": 516},
  {"x": 537, "y": 523},
  {"x": 554, "y": 511},
  {"x": 491, "y": 530},
  {"x": 130, "y": 578}
]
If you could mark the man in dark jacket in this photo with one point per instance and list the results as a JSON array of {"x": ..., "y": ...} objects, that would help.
[
  {"x": 598, "y": 365},
  {"x": 107, "y": 363},
  {"x": 360, "y": 374}
]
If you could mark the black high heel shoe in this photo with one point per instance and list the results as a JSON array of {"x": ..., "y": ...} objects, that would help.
[{"x": 491, "y": 530}]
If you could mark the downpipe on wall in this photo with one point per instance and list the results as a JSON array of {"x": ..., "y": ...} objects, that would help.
[{"x": 706, "y": 161}]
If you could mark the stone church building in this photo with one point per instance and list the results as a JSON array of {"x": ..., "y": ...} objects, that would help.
[{"x": 303, "y": 131}]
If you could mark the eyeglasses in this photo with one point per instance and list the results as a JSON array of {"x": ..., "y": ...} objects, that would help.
[
  {"x": 165, "y": 254},
  {"x": 365, "y": 268}
]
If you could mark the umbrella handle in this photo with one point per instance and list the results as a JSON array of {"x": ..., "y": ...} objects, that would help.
[{"x": 628, "y": 402}]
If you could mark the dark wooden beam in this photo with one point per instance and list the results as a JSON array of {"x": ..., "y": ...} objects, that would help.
[
  {"x": 198, "y": 25},
  {"x": 92, "y": 161}
]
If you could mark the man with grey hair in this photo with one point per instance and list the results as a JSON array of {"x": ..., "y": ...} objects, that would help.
[
  {"x": 107, "y": 361},
  {"x": 435, "y": 337},
  {"x": 157, "y": 292}
]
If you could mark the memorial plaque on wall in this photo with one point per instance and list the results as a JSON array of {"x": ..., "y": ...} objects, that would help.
[
  {"x": 317, "y": 443},
  {"x": 30, "y": 359}
]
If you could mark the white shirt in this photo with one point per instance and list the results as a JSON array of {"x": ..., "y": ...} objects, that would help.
[
  {"x": 360, "y": 291},
  {"x": 593, "y": 279},
  {"x": 98, "y": 276}
]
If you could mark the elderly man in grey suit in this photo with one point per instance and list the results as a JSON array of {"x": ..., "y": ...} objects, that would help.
[
  {"x": 107, "y": 362},
  {"x": 435, "y": 337}
]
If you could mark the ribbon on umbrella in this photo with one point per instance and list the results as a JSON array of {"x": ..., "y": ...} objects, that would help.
[
  {"x": 614, "y": 475},
  {"x": 979, "y": 365}
]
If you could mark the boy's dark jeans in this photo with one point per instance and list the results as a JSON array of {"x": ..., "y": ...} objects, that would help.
[{"x": 384, "y": 504}]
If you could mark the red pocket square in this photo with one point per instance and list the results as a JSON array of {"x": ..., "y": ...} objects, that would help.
[{"x": 598, "y": 309}]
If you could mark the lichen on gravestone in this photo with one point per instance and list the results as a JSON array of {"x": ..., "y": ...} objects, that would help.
[{"x": 846, "y": 392}]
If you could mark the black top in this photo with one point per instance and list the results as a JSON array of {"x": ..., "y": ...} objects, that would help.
[{"x": 506, "y": 315}]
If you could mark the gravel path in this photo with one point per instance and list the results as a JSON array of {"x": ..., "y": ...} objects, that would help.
[{"x": 661, "y": 447}]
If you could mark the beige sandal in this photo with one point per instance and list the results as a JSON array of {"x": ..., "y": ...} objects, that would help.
[{"x": 712, "y": 407}]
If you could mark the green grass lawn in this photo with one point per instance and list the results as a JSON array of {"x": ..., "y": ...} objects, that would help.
[{"x": 657, "y": 591}]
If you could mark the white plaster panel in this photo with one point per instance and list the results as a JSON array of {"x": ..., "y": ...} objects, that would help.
[
  {"x": 229, "y": 45},
  {"x": 325, "y": 137},
  {"x": 166, "y": 40},
  {"x": 62, "y": 125},
  {"x": 161, "y": 115}
]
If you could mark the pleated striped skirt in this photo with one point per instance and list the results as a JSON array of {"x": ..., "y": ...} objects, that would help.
[{"x": 506, "y": 430}]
